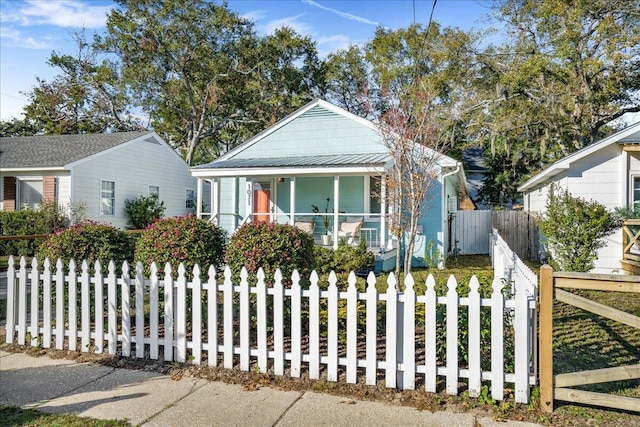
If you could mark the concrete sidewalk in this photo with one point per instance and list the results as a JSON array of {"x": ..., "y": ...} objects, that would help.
[{"x": 152, "y": 399}]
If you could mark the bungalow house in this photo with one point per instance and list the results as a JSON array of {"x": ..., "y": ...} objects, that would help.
[
  {"x": 607, "y": 171},
  {"x": 99, "y": 171},
  {"x": 322, "y": 168}
]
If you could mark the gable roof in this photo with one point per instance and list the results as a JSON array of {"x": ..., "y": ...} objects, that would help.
[
  {"x": 629, "y": 135},
  {"x": 56, "y": 151}
]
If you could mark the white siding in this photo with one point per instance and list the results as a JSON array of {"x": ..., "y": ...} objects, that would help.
[
  {"x": 133, "y": 167},
  {"x": 598, "y": 177}
]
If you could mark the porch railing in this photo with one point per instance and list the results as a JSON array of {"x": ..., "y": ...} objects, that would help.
[{"x": 631, "y": 246}]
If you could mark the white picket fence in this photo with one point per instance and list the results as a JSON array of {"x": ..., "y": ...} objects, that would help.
[{"x": 230, "y": 322}]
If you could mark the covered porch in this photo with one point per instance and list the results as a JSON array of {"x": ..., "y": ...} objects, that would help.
[{"x": 342, "y": 197}]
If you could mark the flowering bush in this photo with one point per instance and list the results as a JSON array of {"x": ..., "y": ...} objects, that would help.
[
  {"x": 270, "y": 246},
  {"x": 181, "y": 239},
  {"x": 91, "y": 241}
]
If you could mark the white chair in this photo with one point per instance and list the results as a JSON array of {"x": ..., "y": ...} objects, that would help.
[
  {"x": 350, "y": 229},
  {"x": 308, "y": 226}
]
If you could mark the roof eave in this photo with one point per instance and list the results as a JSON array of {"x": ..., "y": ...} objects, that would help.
[{"x": 287, "y": 171}]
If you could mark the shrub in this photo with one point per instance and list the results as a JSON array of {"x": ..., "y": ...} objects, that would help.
[
  {"x": 143, "y": 211},
  {"x": 575, "y": 229},
  {"x": 344, "y": 259},
  {"x": 181, "y": 239},
  {"x": 271, "y": 246},
  {"x": 91, "y": 241},
  {"x": 48, "y": 219}
]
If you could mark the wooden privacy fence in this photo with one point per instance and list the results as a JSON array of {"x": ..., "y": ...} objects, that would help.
[
  {"x": 631, "y": 246},
  {"x": 401, "y": 338},
  {"x": 557, "y": 387},
  {"x": 518, "y": 229}
]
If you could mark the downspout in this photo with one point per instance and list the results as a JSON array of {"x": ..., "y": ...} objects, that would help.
[{"x": 444, "y": 204}]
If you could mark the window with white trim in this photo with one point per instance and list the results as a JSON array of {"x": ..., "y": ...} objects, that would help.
[
  {"x": 190, "y": 199},
  {"x": 154, "y": 190},
  {"x": 635, "y": 196},
  {"x": 107, "y": 198}
]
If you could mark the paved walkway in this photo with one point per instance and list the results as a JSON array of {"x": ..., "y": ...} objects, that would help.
[{"x": 152, "y": 399}]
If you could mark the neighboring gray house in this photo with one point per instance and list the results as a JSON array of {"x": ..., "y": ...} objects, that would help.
[
  {"x": 100, "y": 171},
  {"x": 607, "y": 171}
]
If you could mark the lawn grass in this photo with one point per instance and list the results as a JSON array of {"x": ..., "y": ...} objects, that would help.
[{"x": 12, "y": 416}]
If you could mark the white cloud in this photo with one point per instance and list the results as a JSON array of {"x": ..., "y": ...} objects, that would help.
[
  {"x": 341, "y": 14},
  {"x": 292, "y": 22},
  {"x": 62, "y": 13},
  {"x": 331, "y": 44},
  {"x": 15, "y": 38},
  {"x": 255, "y": 15}
]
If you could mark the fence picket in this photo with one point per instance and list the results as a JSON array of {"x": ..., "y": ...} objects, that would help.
[
  {"x": 85, "y": 308},
  {"x": 212, "y": 318},
  {"x": 314, "y": 328},
  {"x": 475, "y": 373},
  {"x": 521, "y": 343},
  {"x": 352, "y": 329},
  {"x": 296, "y": 325},
  {"x": 372, "y": 334},
  {"x": 497, "y": 349},
  {"x": 112, "y": 282},
  {"x": 409, "y": 332},
  {"x": 154, "y": 349},
  {"x": 196, "y": 317},
  {"x": 22, "y": 301},
  {"x": 59, "y": 278},
  {"x": 261, "y": 298},
  {"x": 126, "y": 310},
  {"x": 168, "y": 314},
  {"x": 73, "y": 316},
  {"x": 35, "y": 310},
  {"x": 278, "y": 324},
  {"x": 47, "y": 303},
  {"x": 139, "y": 290},
  {"x": 11, "y": 300},
  {"x": 181, "y": 315},
  {"x": 430, "y": 376},
  {"x": 391, "y": 333},
  {"x": 452, "y": 336},
  {"x": 332, "y": 336},
  {"x": 244, "y": 319},
  {"x": 228, "y": 318},
  {"x": 98, "y": 308}
]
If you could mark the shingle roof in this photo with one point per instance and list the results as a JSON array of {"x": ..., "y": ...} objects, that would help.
[
  {"x": 49, "y": 151},
  {"x": 303, "y": 161}
]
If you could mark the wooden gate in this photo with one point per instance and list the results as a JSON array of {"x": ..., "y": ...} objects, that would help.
[{"x": 558, "y": 386}]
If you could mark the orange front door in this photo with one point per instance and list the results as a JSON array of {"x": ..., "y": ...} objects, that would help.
[{"x": 261, "y": 205}]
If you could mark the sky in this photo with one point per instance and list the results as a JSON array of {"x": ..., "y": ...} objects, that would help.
[{"x": 31, "y": 29}]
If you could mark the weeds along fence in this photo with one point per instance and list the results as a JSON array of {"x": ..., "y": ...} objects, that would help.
[{"x": 336, "y": 331}]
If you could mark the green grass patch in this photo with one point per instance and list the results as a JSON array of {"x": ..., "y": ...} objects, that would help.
[{"x": 12, "y": 416}]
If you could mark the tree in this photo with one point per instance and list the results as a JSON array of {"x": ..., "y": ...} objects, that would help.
[
  {"x": 201, "y": 73},
  {"x": 17, "y": 127},
  {"x": 348, "y": 78},
  {"x": 87, "y": 97},
  {"x": 566, "y": 70}
]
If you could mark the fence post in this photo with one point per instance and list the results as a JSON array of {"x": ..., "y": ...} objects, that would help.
[{"x": 546, "y": 338}]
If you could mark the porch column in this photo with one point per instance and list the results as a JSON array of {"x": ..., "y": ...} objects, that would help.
[
  {"x": 215, "y": 201},
  {"x": 336, "y": 210},
  {"x": 383, "y": 211},
  {"x": 199, "y": 199},
  {"x": 234, "y": 202},
  {"x": 249, "y": 201},
  {"x": 292, "y": 200}
]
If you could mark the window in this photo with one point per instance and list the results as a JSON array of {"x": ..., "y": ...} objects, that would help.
[
  {"x": 635, "y": 197},
  {"x": 190, "y": 199},
  {"x": 154, "y": 190},
  {"x": 107, "y": 198},
  {"x": 30, "y": 193},
  {"x": 375, "y": 192}
]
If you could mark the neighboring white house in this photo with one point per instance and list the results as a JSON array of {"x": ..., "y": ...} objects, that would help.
[
  {"x": 100, "y": 171},
  {"x": 607, "y": 171}
]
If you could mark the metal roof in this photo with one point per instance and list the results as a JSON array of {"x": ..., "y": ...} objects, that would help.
[
  {"x": 303, "y": 161},
  {"x": 55, "y": 151}
]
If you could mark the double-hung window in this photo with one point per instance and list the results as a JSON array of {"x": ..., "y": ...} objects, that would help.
[
  {"x": 107, "y": 198},
  {"x": 635, "y": 196},
  {"x": 190, "y": 199}
]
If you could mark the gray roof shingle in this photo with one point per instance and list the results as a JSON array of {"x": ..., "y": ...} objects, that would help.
[{"x": 49, "y": 151}]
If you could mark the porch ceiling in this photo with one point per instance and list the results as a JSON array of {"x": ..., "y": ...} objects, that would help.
[{"x": 295, "y": 166}]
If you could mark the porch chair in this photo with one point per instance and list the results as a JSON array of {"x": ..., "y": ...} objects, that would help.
[
  {"x": 306, "y": 225},
  {"x": 350, "y": 229}
]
